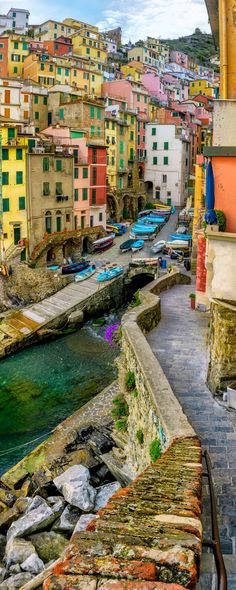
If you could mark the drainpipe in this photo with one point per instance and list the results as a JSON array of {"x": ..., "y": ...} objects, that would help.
[{"x": 223, "y": 48}]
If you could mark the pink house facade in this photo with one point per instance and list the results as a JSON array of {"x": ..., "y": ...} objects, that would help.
[
  {"x": 179, "y": 58},
  {"x": 153, "y": 84}
]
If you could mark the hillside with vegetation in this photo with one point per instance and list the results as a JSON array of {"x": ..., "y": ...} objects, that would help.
[{"x": 199, "y": 46}]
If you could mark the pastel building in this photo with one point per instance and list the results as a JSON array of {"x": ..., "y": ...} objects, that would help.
[
  {"x": 16, "y": 20},
  {"x": 152, "y": 82},
  {"x": 167, "y": 163},
  {"x": 13, "y": 52},
  {"x": 180, "y": 58}
]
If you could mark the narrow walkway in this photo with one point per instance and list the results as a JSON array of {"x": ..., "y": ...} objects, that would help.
[{"x": 180, "y": 344}]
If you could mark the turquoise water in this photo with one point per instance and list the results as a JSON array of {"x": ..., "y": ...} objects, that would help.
[{"x": 41, "y": 386}]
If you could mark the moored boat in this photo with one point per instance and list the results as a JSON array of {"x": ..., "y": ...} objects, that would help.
[
  {"x": 138, "y": 245},
  {"x": 85, "y": 274},
  {"x": 144, "y": 262},
  {"x": 126, "y": 246},
  {"x": 109, "y": 274},
  {"x": 184, "y": 237},
  {"x": 75, "y": 267},
  {"x": 157, "y": 247},
  {"x": 103, "y": 243}
]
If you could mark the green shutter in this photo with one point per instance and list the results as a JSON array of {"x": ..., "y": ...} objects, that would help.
[
  {"x": 121, "y": 147},
  {"x": 154, "y": 131},
  {"x": 76, "y": 172},
  {"x": 11, "y": 133},
  {"x": 98, "y": 113},
  {"x": 166, "y": 145},
  {"x": 91, "y": 112},
  {"x": 19, "y": 177},
  {"x": 18, "y": 153},
  {"x": 5, "y": 154},
  {"x": 5, "y": 178},
  {"x": 21, "y": 203},
  {"x": 85, "y": 172},
  {"x": 154, "y": 160},
  {"x": 84, "y": 194},
  {"x": 45, "y": 164},
  {"x": 5, "y": 205},
  {"x": 154, "y": 146},
  {"x": 165, "y": 160},
  {"x": 76, "y": 194},
  {"x": 61, "y": 113},
  {"x": 58, "y": 165},
  {"x": 36, "y": 99}
]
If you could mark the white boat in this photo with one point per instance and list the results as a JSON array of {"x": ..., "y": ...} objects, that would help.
[
  {"x": 157, "y": 247},
  {"x": 85, "y": 274}
]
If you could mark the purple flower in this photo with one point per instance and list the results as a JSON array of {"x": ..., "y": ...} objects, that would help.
[{"x": 109, "y": 333}]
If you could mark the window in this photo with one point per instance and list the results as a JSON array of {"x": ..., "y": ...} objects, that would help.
[
  {"x": 91, "y": 220},
  {"x": 92, "y": 130},
  {"x": 59, "y": 71},
  {"x": 165, "y": 161},
  {"x": 131, "y": 135},
  {"x": 5, "y": 205},
  {"x": 5, "y": 154},
  {"x": 15, "y": 70},
  {"x": 168, "y": 193},
  {"x": 91, "y": 111},
  {"x": 154, "y": 160},
  {"x": 166, "y": 145},
  {"x": 21, "y": 203},
  {"x": 121, "y": 130},
  {"x": 94, "y": 176},
  {"x": 45, "y": 164},
  {"x": 154, "y": 131},
  {"x": 75, "y": 72},
  {"x": 55, "y": 26},
  {"x": 87, "y": 50},
  {"x": 107, "y": 124},
  {"x": 112, "y": 161},
  {"x": 41, "y": 67},
  {"x": 45, "y": 100},
  {"x": 58, "y": 221},
  {"x": 15, "y": 45},
  {"x": 18, "y": 153},
  {"x": 58, "y": 188},
  {"x": 36, "y": 115},
  {"x": 84, "y": 194},
  {"x": 67, "y": 217},
  {"x": 0, "y": 56},
  {"x": 76, "y": 194},
  {"x": 56, "y": 46},
  {"x": 98, "y": 131},
  {"x": 19, "y": 177},
  {"x": 98, "y": 113},
  {"x": 131, "y": 154},
  {"x": 121, "y": 164},
  {"x": 85, "y": 172},
  {"x": 36, "y": 99},
  {"x": 121, "y": 147},
  {"x": 132, "y": 119},
  {"x": 58, "y": 165},
  {"x": 51, "y": 68},
  {"x": 138, "y": 97},
  {"x": 26, "y": 98},
  {"x": 94, "y": 196},
  {"x": 145, "y": 99},
  {"x": 154, "y": 146},
  {"x": 76, "y": 172},
  {"x": 46, "y": 189},
  {"x": 164, "y": 178},
  {"x": 67, "y": 72},
  {"x": 48, "y": 222},
  {"x": 61, "y": 113},
  {"x": 5, "y": 178},
  {"x": 94, "y": 156},
  {"x": 100, "y": 217}
]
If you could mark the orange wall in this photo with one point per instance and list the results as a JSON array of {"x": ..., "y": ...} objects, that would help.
[
  {"x": 225, "y": 189},
  {"x": 4, "y": 60}
]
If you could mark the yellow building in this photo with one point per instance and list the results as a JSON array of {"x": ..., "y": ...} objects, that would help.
[
  {"x": 40, "y": 69},
  {"x": 90, "y": 45},
  {"x": 133, "y": 71},
  {"x": 52, "y": 29},
  {"x": 117, "y": 137},
  {"x": 202, "y": 86},
  {"x": 77, "y": 24},
  {"x": 14, "y": 206},
  {"x": 15, "y": 49}
]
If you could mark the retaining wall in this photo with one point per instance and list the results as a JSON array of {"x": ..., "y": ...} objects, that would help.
[{"x": 149, "y": 535}]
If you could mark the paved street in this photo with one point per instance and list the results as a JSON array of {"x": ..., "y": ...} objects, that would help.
[{"x": 180, "y": 344}]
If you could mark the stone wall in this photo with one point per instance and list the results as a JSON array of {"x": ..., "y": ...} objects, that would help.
[
  {"x": 155, "y": 416},
  {"x": 222, "y": 365}
]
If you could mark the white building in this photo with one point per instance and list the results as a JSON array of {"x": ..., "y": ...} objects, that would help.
[
  {"x": 166, "y": 170},
  {"x": 17, "y": 99},
  {"x": 16, "y": 20}
]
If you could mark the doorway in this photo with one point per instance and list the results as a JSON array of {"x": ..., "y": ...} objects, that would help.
[{"x": 16, "y": 235}]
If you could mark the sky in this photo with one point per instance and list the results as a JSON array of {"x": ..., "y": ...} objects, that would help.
[{"x": 138, "y": 18}]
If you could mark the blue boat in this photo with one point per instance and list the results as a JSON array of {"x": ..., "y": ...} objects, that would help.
[
  {"x": 109, "y": 274},
  {"x": 138, "y": 245},
  {"x": 145, "y": 228},
  {"x": 85, "y": 274},
  {"x": 182, "y": 237},
  {"x": 121, "y": 227},
  {"x": 75, "y": 267},
  {"x": 126, "y": 246},
  {"x": 155, "y": 219}
]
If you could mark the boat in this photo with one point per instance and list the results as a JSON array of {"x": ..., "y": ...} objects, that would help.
[
  {"x": 121, "y": 228},
  {"x": 109, "y": 274},
  {"x": 142, "y": 236},
  {"x": 177, "y": 244},
  {"x": 157, "y": 247},
  {"x": 85, "y": 274},
  {"x": 145, "y": 228},
  {"x": 126, "y": 246},
  {"x": 103, "y": 243},
  {"x": 183, "y": 237},
  {"x": 53, "y": 267},
  {"x": 144, "y": 262},
  {"x": 155, "y": 219},
  {"x": 75, "y": 267},
  {"x": 138, "y": 245},
  {"x": 111, "y": 229}
]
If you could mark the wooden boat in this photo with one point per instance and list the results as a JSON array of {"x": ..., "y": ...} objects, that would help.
[
  {"x": 126, "y": 246},
  {"x": 85, "y": 274},
  {"x": 150, "y": 219},
  {"x": 144, "y": 262},
  {"x": 109, "y": 274},
  {"x": 157, "y": 247},
  {"x": 75, "y": 267},
  {"x": 138, "y": 245},
  {"x": 103, "y": 243}
]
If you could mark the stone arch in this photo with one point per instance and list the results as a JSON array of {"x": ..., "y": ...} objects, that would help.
[
  {"x": 141, "y": 203},
  {"x": 112, "y": 207}
]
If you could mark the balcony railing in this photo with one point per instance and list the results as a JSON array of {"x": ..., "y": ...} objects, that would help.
[{"x": 61, "y": 198}]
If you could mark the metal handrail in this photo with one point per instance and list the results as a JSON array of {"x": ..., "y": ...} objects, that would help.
[{"x": 215, "y": 544}]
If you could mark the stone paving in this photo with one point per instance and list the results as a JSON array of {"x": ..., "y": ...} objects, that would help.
[{"x": 180, "y": 344}]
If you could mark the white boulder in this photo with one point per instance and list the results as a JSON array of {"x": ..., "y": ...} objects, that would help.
[
  {"x": 104, "y": 493},
  {"x": 15, "y": 582},
  {"x": 33, "y": 564},
  {"x": 17, "y": 551},
  {"x": 83, "y": 522},
  {"x": 34, "y": 520},
  {"x": 75, "y": 487}
]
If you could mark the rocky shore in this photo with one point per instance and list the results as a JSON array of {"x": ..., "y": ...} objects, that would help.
[{"x": 49, "y": 496}]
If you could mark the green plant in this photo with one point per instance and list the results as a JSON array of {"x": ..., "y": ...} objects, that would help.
[
  {"x": 136, "y": 301},
  {"x": 155, "y": 450},
  {"x": 120, "y": 407},
  {"x": 221, "y": 219},
  {"x": 121, "y": 424},
  {"x": 150, "y": 206},
  {"x": 192, "y": 296},
  {"x": 135, "y": 393},
  {"x": 130, "y": 380},
  {"x": 140, "y": 436}
]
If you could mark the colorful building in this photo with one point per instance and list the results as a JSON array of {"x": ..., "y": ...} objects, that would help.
[
  {"x": 13, "y": 51},
  {"x": 14, "y": 187},
  {"x": 52, "y": 29},
  {"x": 89, "y": 45},
  {"x": 202, "y": 86}
]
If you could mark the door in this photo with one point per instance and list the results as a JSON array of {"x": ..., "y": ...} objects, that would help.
[
  {"x": 58, "y": 223},
  {"x": 82, "y": 221},
  {"x": 16, "y": 235}
]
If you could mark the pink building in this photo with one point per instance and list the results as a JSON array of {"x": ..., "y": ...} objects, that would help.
[
  {"x": 63, "y": 136},
  {"x": 136, "y": 96},
  {"x": 152, "y": 83},
  {"x": 179, "y": 58}
]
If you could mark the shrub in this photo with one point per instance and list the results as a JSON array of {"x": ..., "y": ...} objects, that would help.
[
  {"x": 130, "y": 380},
  {"x": 121, "y": 424},
  {"x": 140, "y": 436},
  {"x": 135, "y": 393},
  {"x": 150, "y": 206},
  {"x": 120, "y": 407},
  {"x": 155, "y": 450},
  {"x": 221, "y": 219},
  {"x": 136, "y": 300}
]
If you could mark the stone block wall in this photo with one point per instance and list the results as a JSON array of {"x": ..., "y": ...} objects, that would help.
[{"x": 222, "y": 365}]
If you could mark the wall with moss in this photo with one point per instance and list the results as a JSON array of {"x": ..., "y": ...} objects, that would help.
[{"x": 222, "y": 365}]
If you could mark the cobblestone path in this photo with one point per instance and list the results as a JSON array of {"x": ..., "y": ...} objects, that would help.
[{"x": 180, "y": 344}]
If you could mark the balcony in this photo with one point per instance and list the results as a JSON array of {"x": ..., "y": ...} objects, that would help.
[
  {"x": 123, "y": 170},
  {"x": 62, "y": 198}
]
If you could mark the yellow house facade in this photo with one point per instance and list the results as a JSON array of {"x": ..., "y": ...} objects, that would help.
[
  {"x": 201, "y": 86},
  {"x": 14, "y": 195},
  {"x": 133, "y": 71},
  {"x": 117, "y": 142},
  {"x": 90, "y": 45},
  {"x": 17, "y": 53}
]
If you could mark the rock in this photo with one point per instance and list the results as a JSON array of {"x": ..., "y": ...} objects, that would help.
[
  {"x": 59, "y": 506},
  {"x": 22, "y": 504},
  {"x": 52, "y": 500},
  {"x": 75, "y": 318},
  {"x": 75, "y": 487},
  {"x": 82, "y": 496},
  {"x": 3, "y": 543},
  {"x": 7, "y": 498},
  {"x": 49, "y": 545},
  {"x": 15, "y": 569},
  {"x": 17, "y": 551},
  {"x": 15, "y": 582},
  {"x": 67, "y": 521},
  {"x": 35, "y": 503},
  {"x": 33, "y": 564},
  {"x": 83, "y": 522},
  {"x": 26, "y": 488},
  {"x": 104, "y": 493},
  {"x": 7, "y": 517},
  {"x": 34, "y": 520},
  {"x": 121, "y": 472},
  {"x": 3, "y": 573}
]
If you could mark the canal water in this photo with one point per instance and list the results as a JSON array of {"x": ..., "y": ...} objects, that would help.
[{"x": 42, "y": 385}]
